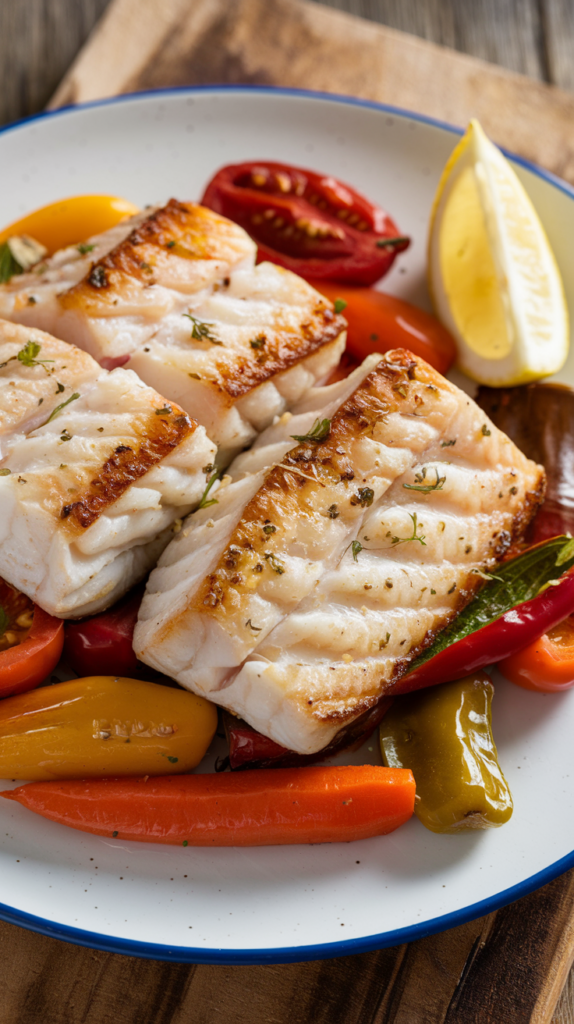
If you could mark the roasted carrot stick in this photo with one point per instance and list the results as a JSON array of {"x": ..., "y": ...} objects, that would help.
[{"x": 258, "y": 808}]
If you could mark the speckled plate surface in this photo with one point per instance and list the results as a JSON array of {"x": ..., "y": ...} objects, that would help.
[{"x": 283, "y": 903}]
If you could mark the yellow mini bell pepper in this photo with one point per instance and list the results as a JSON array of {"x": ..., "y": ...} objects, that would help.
[
  {"x": 101, "y": 726},
  {"x": 69, "y": 221}
]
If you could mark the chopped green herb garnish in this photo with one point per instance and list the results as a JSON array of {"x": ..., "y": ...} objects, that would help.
[
  {"x": 447, "y": 444},
  {"x": 333, "y": 512},
  {"x": 258, "y": 342},
  {"x": 85, "y": 247},
  {"x": 5, "y": 472},
  {"x": 383, "y": 643},
  {"x": 274, "y": 563},
  {"x": 62, "y": 405},
  {"x": 184, "y": 842},
  {"x": 390, "y": 243},
  {"x": 356, "y": 548},
  {"x": 59, "y": 388},
  {"x": 414, "y": 535},
  {"x": 201, "y": 331},
  {"x": 167, "y": 409},
  {"x": 205, "y": 503},
  {"x": 256, "y": 629},
  {"x": 339, "y": 305},
  {"x": 27, "y": 355},
  {"x": 319, "y": 432},
  {"x": 173, "y": 760},
  {"x": 269, "y": 528},
  {"x": 423, "y": 487},
  {"x": 170, "y": 245},
  {"x": 9, "y": 266},
  {"x": 97, "y": 277},
  {"x": 114, "y": 834},
  {"x": 364, "y": 497},
  {"x": 485, "y": 431},
  {"x": 65, "y": 436}
]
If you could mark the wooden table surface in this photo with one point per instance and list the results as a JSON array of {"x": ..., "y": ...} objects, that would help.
[{"x": 44, "y": 980}]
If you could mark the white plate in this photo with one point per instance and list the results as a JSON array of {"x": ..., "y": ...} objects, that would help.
[{"x": 295, "y": 902}]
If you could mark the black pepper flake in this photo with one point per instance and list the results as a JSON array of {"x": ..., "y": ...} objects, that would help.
[
  {"x": 97, "y": 277},
  {"x": 452, "y": 589}
]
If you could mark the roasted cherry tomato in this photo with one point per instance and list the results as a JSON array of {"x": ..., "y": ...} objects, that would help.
[
  {"x": 547, "y": 664},
  {"x": 379, "y": 322},
  {"x": 310, "y": 223},
  {"x": 103, "y": 644},
  {"x": 30, "y": 644},
  {"x": 71, "y": 220}
]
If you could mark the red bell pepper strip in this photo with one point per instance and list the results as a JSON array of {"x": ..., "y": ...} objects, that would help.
[
  {"x": 309, "y": 223},
  {"x": 102, "y": 645},
  {"x": 500, "y": 639},
  {"x": 546, "y": 664},
  {"x": 264, "y": 808}
]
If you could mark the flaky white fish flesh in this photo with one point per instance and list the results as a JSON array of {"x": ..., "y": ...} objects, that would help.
[
  {"x": 301, "y": 596},
  {"x": 174, "y": 294},
  {"x": 95, "y": 470}
]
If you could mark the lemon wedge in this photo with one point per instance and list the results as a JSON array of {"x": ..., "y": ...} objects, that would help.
[{"x": 493, "y": 278}]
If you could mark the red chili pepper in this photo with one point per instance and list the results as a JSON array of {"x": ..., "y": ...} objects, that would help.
[
  {"x": 309, "y": 223},
  {"x": 379, "y": 322},
  {"x": 264, "y": 808},
  {"x": 500, "y": 639},
  {"x": 546, "y": 664},
  {"x": 102, "y": 645},
  {"x": 26, "y": 664}
]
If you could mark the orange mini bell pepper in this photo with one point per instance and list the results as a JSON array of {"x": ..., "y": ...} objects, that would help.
[{"x": 547, "y": 664}]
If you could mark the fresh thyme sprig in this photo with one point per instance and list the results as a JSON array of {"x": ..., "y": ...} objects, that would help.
[
  {"x": 55, "y": 412},
  {"x": 414, "y": 535},
  {"x": 319, "y": 432},
  {"x": 423, "y": 487},
  {"x": 201, "y": 331},
  {"x": 205, "y": 502}
]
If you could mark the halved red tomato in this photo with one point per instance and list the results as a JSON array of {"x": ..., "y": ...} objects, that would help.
[
  {"x": 30, "y": 643},
  {"x": 309, "y": 223}
]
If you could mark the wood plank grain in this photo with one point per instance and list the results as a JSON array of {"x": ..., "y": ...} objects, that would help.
[{"x": 140, "y": 45}]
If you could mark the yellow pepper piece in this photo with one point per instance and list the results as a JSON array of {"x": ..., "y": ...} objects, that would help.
[
  {"x": 100, "y": 726},
  {"x": 70, "y": 221}
]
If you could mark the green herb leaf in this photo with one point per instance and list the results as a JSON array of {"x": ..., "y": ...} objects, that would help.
[
  {"x": 485, "y": 431},
  {"x": 319, "y": 432},
  {"x": 519, "y": 580},
  {"x": 256, "y": 629},
  {"x": 85, "y": 247},
  {"x": 258, "y": 342},
  {"x": 205, "y": 503},
  {"x": 274, "y": 562},
  {"x": 172, "y": 760},
  {"x": 356, "y": 548},
  {"x": 9, "y": 267},
  {"x": 167, "y": 409},
  {"x": 339, "y": 305},
  {"x": 424, "y": 488},
  {"x": 414, "y": 535},
  {"x": 27, "y": 355},
  {"x": 61, "y": 406},
  {"x": 447, "y": 444},
  {"x": 59, "y": 388},
  {"x": 364, "y": 497},
  {"x": 201, "y": 331}
]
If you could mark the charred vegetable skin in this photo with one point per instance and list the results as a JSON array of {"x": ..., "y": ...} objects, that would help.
[
  {"x": 103, "y": 725},
  {"x": 444, "y": 736},
  {"x": 309, "y": 223}
]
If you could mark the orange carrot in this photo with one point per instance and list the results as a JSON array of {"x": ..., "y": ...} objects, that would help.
[{"x": 256, "y": 808}]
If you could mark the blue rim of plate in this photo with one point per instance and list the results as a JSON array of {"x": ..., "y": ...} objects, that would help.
[{"x": 324, "y": 950}]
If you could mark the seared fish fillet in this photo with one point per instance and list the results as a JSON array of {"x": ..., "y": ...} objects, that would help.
[
  {"x": 95, "y": 468},
  {"x": 174, "y": 294},
  {"x": 299, "y": 597}
]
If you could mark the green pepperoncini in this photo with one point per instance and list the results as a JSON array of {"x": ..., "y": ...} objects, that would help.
[{"x": 444, "y": 735}]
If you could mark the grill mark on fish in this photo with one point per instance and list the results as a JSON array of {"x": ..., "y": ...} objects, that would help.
[{"x": 126, "y": 465}]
